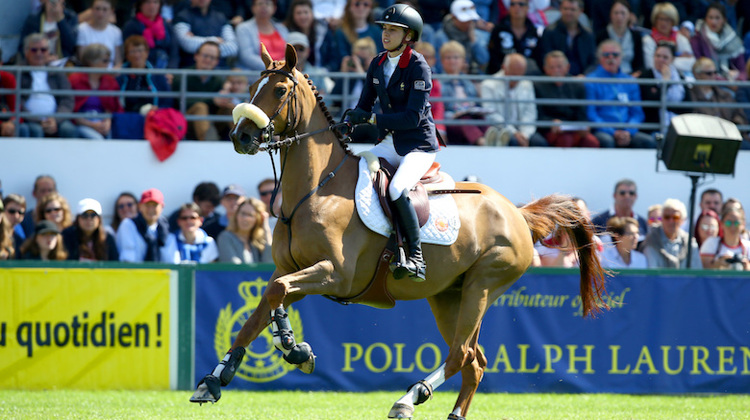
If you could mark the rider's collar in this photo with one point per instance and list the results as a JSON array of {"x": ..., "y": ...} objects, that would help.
[{"x": 403, "y": 62}]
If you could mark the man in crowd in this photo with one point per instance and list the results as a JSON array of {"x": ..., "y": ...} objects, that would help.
[
  {"x": 625, "y": 195},
  {"x": 569, "y": 36},
  {"x": 141, "y": 238}
]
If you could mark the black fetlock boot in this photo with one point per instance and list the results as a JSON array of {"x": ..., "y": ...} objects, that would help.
[{"x": 413, "y": 265}]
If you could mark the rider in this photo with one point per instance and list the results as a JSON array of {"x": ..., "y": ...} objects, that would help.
[{"x": 401, "y": 78}]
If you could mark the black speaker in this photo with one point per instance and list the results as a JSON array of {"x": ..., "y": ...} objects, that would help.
[{"x": 701, "y": 143}]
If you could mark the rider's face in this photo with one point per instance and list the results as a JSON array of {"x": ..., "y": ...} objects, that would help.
[{"x": 392, "y": 36}]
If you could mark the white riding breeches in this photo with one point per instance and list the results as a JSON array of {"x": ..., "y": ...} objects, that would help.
[{"x": 409, "y": 168}]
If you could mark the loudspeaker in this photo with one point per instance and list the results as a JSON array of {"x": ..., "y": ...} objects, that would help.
[{"x": 701, "y": 143}]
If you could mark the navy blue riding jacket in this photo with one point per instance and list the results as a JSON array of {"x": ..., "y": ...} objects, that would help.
[{"x": 407, "y": 113}]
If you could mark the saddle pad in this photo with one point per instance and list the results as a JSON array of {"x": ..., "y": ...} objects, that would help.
[{"x": 441, "y": 228}]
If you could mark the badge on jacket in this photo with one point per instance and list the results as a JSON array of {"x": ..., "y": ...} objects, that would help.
[
  {"x": 375, "y": 81},
  {"x": 419, "y": 85}
]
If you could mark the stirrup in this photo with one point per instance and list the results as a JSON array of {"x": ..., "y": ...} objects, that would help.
[{"x": 407, "y": 266}]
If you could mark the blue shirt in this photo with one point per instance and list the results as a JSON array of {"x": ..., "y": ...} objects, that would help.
[{"x": 622, "y": 92}]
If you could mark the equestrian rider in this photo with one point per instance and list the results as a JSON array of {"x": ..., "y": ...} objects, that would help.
[{"x": 401, "y": 79}]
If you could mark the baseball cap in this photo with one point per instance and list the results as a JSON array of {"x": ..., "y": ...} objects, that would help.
[
  {"x": 464, "y": 10},
  {"x": 89, "y": 204},
  {"x": 233, "y": 189},
  {"x": 45, "y": 226},
  {"x": 152, "y": 194},
  {"x": 298, "y": 38}
]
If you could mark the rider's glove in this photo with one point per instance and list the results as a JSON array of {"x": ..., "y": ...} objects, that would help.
[{"x": 358, "y": 116}]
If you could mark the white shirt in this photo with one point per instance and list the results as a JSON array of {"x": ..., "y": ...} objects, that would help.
[
  {"x": 111, "y": 36},
  {"x": 610, "y": 258},
  {"x": 715, "y": 247},
  {"x": 171, "y": 252},
  {"x": 40, "y": 103},
  {"x": 130, "y": 243}
]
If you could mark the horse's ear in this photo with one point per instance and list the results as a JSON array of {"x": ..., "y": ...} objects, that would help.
[
  {"x": 291, "y": 57},
  {"x": 267, "y": 60}
]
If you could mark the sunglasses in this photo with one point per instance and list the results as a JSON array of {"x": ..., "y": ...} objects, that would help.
[
  {"x": 708, "y": 228},
  {"x": 209, "y": 57},
  {"x": 710, "y": 73},
  {"x": 122, "y": 206},
  {"x": 623, "y": 192},
  {"x": 89, "y": 215},
  {"x": 264, "y": 193},
  {"x": 14, "y": 211},
  {"x": 730, "y": 223},
  {"x": 674, "y": 217},
  {"x": 654, "y": 219},
  {"x": 53, "y": 210},
  {"x": 36, "y": 50},
  {"x": 188, "y": 217},
  {"x": 610, "y": 54}
]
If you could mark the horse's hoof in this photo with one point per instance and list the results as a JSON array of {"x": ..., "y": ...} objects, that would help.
[
  {"x": 452, "y": 416},
  {"x": 208, "y": 390},
  {"x": 401, "y": 411},
  {"x": 308, "y": 366}
]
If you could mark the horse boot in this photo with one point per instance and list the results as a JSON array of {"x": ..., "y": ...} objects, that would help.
[{"x": 413, "y": 265}]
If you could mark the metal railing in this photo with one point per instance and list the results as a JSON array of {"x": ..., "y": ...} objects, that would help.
[{"x": 334, "y": 101}]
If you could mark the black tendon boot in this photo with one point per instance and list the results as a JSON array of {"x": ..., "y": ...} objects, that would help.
[{"x": 413, "y": 265}]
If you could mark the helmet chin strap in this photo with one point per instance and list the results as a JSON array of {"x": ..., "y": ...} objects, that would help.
[{"x": 400, "y": 44}]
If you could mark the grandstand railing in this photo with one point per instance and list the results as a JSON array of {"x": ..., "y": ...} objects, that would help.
[{"x": 347, "y": 80}]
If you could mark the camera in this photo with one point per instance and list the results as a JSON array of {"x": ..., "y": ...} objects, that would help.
[{"x": 734, "y": 259}]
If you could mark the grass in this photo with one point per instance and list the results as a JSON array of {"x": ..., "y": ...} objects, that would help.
[{"x": 288, "y": 405}]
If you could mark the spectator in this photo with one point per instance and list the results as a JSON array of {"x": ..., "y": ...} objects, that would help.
[
  {"x": 535, "y": 12},
  {"x": 57, "y": 24},
  {"x": 95, "y": 56},
  {"x": 301, "y": 19},
  {"x": 714, "y": 38},
  {"x": 625, "y": 195},
  {"x": 99, "y": 30},
  {"x": 266, "y": 188},
  {"x": 235, "y": 84},
  {"x": 136, "y": 52},
  {"x": 7, "y": 242},
  {"x": 43, "y": 185},
  {"x": 15, "y": 209},
  {"x": 87, "y": 239},
  {"x": 663, "y": 69},
  {"x": 160, "y": 41},
  {"x": 190, "y": 243},
  {"x": 45, "y": 244},
  {"x": 247, "y": 239},
  {"x": 206, "y": 59},
  {"x": 708, "y": 225},
  {"x": 357, "y": 23},
  {"x": 329, "y": 11},
  {"x": 667, "y": 246},
  {"x": 566, "y": 131},
  {"x": 728, "y": 250},
  {"x": 434, "y": 11},
  {"x": 522, "y": 107},
  {"x": 464, "y": 104},
  {"x": 665, "y": 17},
  {"x": 319, "y": 75},
  {"x": 438, "y": 107},
  {"x": 229, "y": 199},
  {"x": 569, "y": 36},
  {"x": 143, "y": 237},
  {"x": 357, "y": 62},
  {"x": 557, "y": 251},
  {"x": 711, "y": 199},
  {"x": 654, "y": 216},
  {"x": 261, "y": 29},
  {"x": 206, "y": 196},
  {"x": 705, "y": 70},
  {"x": 460, "y": 25},
  {"x": 8, "y": 104},
  {"x": 42, "y": 101},
  {"x": 624, "y": 233},
  {"x": 126, "y": 207},
  {"x": 629, "y": 39},
  {"x": 195, "y": 26},
  {"x": 610, "y": 53},
  {"x": 515, "y": 33},
  {"x": 14, "y": 17},
  {"x": 54, "y": 207}
]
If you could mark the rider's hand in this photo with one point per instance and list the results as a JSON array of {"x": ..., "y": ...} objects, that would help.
[{"x": 358, "y": 116}]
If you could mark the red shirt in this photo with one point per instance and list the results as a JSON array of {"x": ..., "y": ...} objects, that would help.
[{"x": 275, "y": 45}]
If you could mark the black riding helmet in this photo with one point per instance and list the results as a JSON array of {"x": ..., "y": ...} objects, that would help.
[{"x": 404, "y": 16}]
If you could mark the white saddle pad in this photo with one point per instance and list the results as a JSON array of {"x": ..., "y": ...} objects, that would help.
[{"x": 441, "y": 228}]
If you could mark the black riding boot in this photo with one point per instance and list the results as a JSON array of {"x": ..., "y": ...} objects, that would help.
[{"x": 413, "y": 265}]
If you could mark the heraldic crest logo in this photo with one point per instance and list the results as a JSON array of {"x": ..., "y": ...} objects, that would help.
[{"x": 262, "y": 363}]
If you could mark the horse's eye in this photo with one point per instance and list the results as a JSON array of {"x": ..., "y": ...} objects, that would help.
[{"x": 280, "y": 91}]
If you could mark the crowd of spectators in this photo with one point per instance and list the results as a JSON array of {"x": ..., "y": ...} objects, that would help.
[{"x": 679, "y": 41}]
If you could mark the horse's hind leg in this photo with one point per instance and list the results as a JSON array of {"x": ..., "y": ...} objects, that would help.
[{"x": 471, "y": 375}]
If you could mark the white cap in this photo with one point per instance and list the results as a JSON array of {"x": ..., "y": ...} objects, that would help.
[
  {"x": 464, "y": 10},
  {"x": 298, "y": 38},
  {"x": 89, "y": 204}
]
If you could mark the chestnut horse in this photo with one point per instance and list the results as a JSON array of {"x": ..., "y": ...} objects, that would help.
[{"x": 322, "y": 247}]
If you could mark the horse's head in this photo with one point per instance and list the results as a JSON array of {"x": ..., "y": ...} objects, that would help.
[{"x": 273, "y": 108}]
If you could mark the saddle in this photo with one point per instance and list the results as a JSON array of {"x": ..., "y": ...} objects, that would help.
[{"x": 417, "y": 195}]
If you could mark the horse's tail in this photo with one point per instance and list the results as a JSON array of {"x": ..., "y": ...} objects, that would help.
[{"x": 552, "y": 212}]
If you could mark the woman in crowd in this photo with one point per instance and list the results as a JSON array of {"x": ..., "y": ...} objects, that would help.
[
  {"x": 664, "y": 17},
  {"x": 357, "y": 62},
  {"x": 7, "y": 246},
  {"x": 666, "y": 246},
  {"x": 261, "y": 29},
  {"x": 100, "y": 30},
  {"x": 95, "y": 56},
  {"x": 247, "y": 239},
  {"x": 707, "y": 226},
  {"x": 162, "y": 48},
  {"x": 190, "y": 243},
  {"x": 515, "y": 33},
  {"x": 136, "y": 52},
  {"x": 714, "y": 38},
  {"x": 630, "y": 40},
  {"x": 46, "y": 244},
  {"x": 624, "y": 233},
  {"x": 54, "y": 207},
  {"x": 728, "y": 250},
  {"x": 300, "y": 18},
  {"x": 663, "y": 69},
  {"x": 453, "y": 61},
  {"x": 357, "y": 23},
  {"x": 87, "y": 239},
  {"x": 126, "y": 207}
]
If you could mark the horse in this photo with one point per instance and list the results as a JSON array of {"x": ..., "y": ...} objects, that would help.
[{"x": 321, "y": 246}]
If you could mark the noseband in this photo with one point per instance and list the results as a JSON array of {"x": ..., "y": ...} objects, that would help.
[{"x": 289, "y": 102}]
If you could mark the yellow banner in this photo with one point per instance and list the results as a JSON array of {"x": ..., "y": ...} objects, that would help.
[{"x": 84, "y": 329}]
